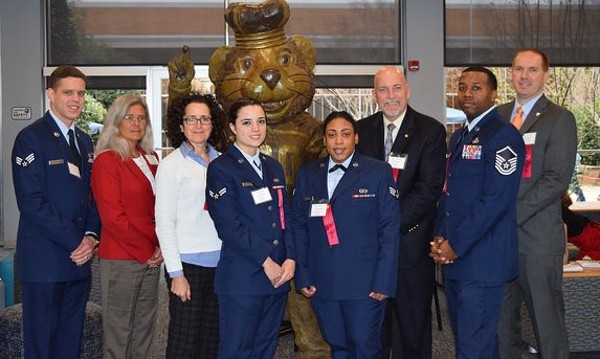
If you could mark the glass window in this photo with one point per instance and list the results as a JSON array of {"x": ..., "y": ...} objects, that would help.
[
  {"x": 575, "y": 88},
  {"x": 489, "y": 32},
  {"x": 150, "y": 32}
]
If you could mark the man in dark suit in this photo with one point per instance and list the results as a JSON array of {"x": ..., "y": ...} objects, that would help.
[
  {"x": 346, "y": 231},
  {"x": 58, "y": 225},
  {"x": 417, "y": 148},
  {"x": 550, "y": 136},
  {"x": 476, "y": 231}
]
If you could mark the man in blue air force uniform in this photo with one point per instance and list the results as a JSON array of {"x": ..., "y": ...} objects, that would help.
[
  {"x": 346, "y": 228},
  {"x": 476, "y": 226},
  {"x": 58, "y": 224}
]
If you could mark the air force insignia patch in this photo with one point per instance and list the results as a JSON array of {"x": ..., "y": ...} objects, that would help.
[
  {"x": 217, "y": 195},
  {"x": 506, "y": 161},
  {"x": 25, "y": 162}
]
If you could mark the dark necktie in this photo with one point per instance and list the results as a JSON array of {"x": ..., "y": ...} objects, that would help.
[
  {"x": 336, "y": 167},
  {"x": 257, "y": 164},
  {"x": 75, "y": 158}
]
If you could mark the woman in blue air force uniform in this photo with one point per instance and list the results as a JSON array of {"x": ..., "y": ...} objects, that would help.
[
  {"x": 346, "y": 227},
  {"x": 246, "y": 200}
]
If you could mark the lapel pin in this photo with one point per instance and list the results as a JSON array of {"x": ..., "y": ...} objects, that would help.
[
  {"x": 322, "y": 165},
  {"x": 240, "y": 160},
  {"x": 56, "y": 134},
  {"x": 355, "y": 164}
]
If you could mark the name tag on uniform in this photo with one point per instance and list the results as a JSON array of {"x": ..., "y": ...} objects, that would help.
[
  {"x": 261, "y": 195},
  {"x": 152, "y": 160},
  {"x": 73, "y": 170},
  {"x": 529, "y": 138},
  {"x": 398, "y": 162},
  {"x": 318, "y": 209},
  {"x": 56, "y": 162}
]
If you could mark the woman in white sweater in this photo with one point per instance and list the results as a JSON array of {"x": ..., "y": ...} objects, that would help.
[{"x": 187, "y": 235}]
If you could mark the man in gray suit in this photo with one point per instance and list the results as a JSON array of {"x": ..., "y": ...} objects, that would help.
[{"x": 550, "y": 136}]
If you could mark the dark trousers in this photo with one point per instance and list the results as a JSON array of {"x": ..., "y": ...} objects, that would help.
[
  {"x": 407, "y": 325},
  {"x": 53, "y": 316},
  {"x": 539, "y": 284},
  {"x": 352, "y": 328},
  {"x": 249, "y": 325},
  {"x": 194, "y": 324},
  {"x": 474, "y": 309}
]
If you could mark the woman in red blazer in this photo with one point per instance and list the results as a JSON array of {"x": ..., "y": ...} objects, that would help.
[{"x": 123, "y": 186}]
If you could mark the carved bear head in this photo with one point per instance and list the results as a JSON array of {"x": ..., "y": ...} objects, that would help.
[{"x": 264, "y": 65}]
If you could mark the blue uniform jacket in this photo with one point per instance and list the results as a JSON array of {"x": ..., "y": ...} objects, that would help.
[
  {"x": 56, "y": 208},
  {"x": 250, "y": 232},
  {"x": 477, "y": 211},
  {"x": 365, "y": 210}
]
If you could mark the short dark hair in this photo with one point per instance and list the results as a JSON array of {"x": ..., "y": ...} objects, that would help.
[
  {"x": 545, "y": 61},
  {"x": 235, "y": 108},
  {"x": 339, "y": 114},
  {"x": 492, "y": 81},
  {"x": 176, "y": 112},
  {"x": 62, "y": 72}
]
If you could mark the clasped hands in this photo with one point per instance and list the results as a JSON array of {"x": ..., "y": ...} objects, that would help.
[
  {"x": 441, "y": 251},
  {"x": 279, "y": 274}
]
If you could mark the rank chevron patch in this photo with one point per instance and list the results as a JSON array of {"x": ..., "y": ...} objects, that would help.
[{"x": 506, "y": 161}]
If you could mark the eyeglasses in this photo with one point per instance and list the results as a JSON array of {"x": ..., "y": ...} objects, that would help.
[
  {"x": 131, "y": 117},
  {"x": 192, "y": 120}
]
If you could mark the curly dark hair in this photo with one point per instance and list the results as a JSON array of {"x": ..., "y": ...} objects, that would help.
[{"x": 218, "y": 135}]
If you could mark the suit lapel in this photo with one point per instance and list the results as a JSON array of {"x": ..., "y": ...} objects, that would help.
[
  {"x": 247, "y": 169},
  {"x": 59, "y": 139},
  {"x": 535, "y": 114},
  {"x": 84, "y": 152},
  {"x": 349, "y": 178},
  {"x": 405, "y": 133},
  {"x": 376, "y": 136},
  {"x": 137, "y": 171},
  {"x": 268, "y": 175},
  {"x": 320, "y": 179}
]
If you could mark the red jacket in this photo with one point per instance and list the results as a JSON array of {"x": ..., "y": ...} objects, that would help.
[{"x": 125, "y": 202}]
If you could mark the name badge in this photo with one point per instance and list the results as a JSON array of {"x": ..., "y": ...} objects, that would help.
[
  {"x": 56, "y": 162},
  {"x": 73, "y": 170},
  {"x": 529, "y": 138},
  {"x": 398, "y": 162},
  {"x": 152, "y": 160},
  {"x": 318, "y": 209},
  {"x": 261, "y": 195}
]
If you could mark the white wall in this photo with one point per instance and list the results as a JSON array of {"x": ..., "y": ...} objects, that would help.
[{"x": 21, "y": 86}]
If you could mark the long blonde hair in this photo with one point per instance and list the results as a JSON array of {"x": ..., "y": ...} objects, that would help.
[{"x": 110, "y": 138}]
